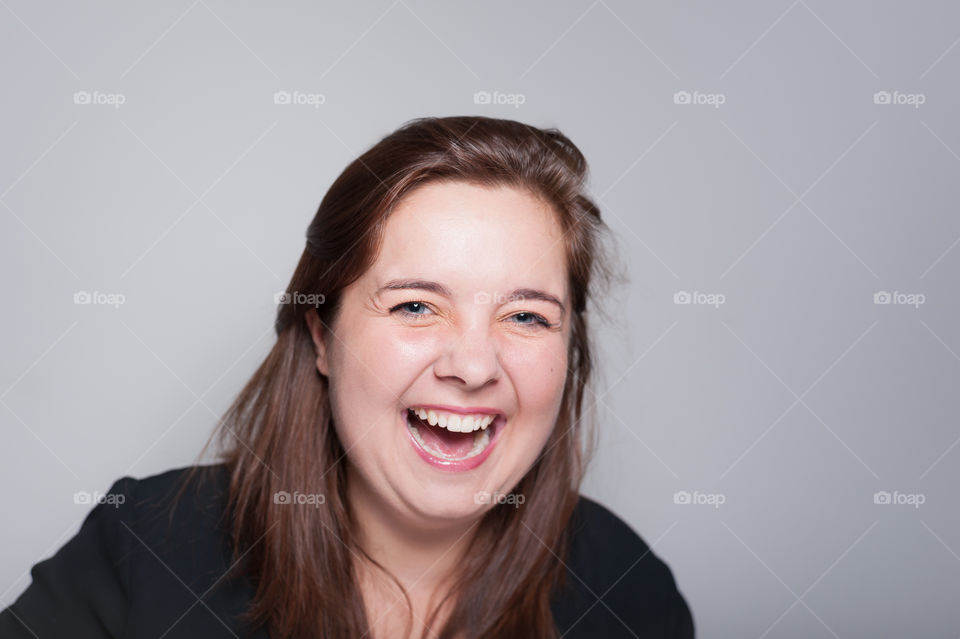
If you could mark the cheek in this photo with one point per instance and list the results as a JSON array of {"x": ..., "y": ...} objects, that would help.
[
  {"x": 410, "y": 349},
  {"x": 374, "y": 369},
  {"x": 538, "y": 372},
  {"x": 381, "y": 363},
  {"x": 538, "y": 375}
]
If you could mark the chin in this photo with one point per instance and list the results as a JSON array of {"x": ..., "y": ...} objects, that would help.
[{"x": 453, "y": 506}]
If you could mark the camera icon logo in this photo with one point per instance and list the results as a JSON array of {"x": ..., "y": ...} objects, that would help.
[
  {"x": 681, "y": 497},
  {"x": 81, "y": 297},
  {"x": 882, "y": 497},
  {"x": 81, "y": 97},
  {"x": 881, "y": 97},
  {"x": 281, "y": 497},
  {"x": 281, "y": 97},
  {"x": 481, "y": 97},
  {"x": 682, "y": 97},
  {"x": 681, "y": 297},
  {"x": 281, "y": 297},
  {"x": 881, "y": 297}
]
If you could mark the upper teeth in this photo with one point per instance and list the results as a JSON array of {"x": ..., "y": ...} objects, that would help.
[{"x": 454, "y": 421}]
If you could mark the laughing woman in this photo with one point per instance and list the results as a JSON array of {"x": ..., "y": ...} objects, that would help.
[{"x": 406, "y": 462}]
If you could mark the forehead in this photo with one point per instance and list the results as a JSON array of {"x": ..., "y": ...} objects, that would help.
[{"x": 470, "y": 235}]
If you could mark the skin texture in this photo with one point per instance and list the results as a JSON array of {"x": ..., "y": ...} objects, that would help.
[{"x": 477, "y": 347}]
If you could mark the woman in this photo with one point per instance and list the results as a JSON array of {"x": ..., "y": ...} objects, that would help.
[{"x": 407, "y": 459}]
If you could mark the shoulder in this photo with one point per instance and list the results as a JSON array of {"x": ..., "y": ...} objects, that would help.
[
  {"x": 208, "y": 479},
  {"x": 607, "y": 548},
  {"x": 148, "y": 553},
  {"x": 166, "y": 511},
  {"x": 176, "y": 550},
  {"x": 176, "y": 529},
  {"x": 616, "y": 584},
  {"x": 186, "y": 493}
]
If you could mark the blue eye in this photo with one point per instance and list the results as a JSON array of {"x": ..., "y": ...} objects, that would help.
[
  {"x": 406, "y": 305},
  {"x": 536, "y": 319},
  {"x": 417, "y": 309}
]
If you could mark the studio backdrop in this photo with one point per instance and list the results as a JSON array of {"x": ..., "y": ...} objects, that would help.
[{"x": 777, "y": 402}]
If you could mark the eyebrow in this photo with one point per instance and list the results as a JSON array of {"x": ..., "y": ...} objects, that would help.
[{"x": 440, "y": 289}]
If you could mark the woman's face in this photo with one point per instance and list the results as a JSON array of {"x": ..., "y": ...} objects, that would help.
[{"x": 465, "y": 314}]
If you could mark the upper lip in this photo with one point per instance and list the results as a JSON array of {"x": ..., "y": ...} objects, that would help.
[{"x": 462, "y": 410}]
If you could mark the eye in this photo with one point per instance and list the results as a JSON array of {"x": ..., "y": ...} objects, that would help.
[
  {"x": 535, "y": 319},
  {"x": 417, "y": 309},
  {"x": 410, "y": 308}
]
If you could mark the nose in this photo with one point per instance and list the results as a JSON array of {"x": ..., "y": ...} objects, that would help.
[{"x": 471, "y": 357}]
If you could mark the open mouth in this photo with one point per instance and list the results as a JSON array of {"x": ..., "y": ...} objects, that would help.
[{"x": 445, "y": 439}]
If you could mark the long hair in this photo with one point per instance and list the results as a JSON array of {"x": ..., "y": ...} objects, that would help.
[{"x": 278, "y": 433}]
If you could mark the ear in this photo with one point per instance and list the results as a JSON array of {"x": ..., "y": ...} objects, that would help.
[{"x": 318, "y": 333}]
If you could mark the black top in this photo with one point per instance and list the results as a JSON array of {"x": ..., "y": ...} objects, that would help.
[{"x": 126, "y": 575}]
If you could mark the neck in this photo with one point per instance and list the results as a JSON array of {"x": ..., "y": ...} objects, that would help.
[{"x": 422, "y": 555}]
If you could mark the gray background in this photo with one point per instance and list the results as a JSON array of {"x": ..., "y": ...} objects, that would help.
[{"x": 797, "y": 199}]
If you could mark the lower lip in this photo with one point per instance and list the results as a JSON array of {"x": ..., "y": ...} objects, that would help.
[{"x": 459, "y": 464}]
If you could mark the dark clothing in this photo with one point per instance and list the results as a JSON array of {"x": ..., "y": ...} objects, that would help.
[{"x": 136, "y": 569}]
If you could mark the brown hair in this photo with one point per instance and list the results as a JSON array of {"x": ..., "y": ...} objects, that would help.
[{"x": 278, "y": 433}]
